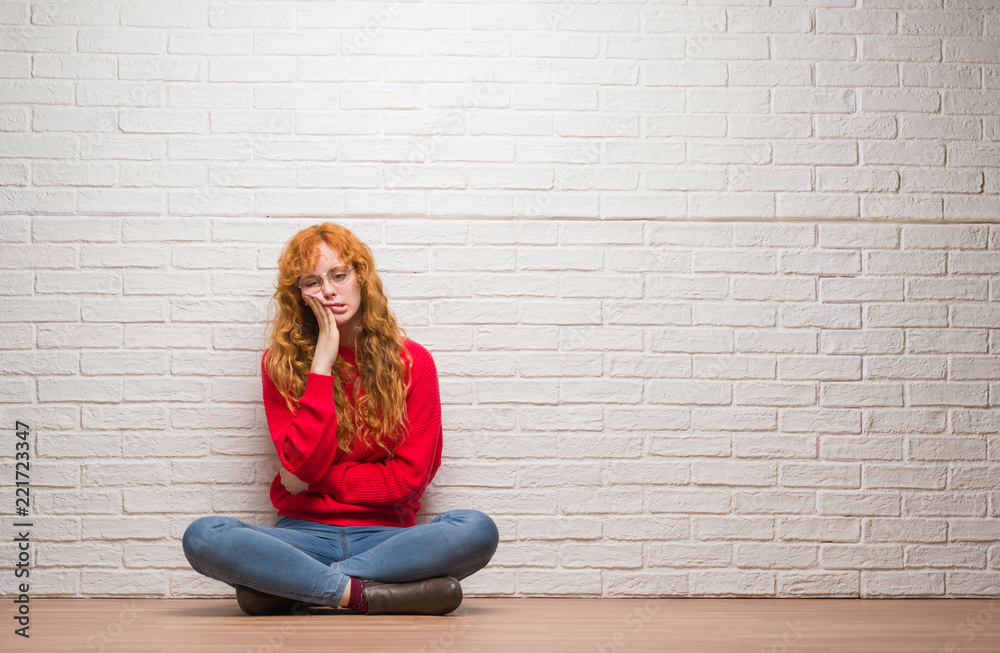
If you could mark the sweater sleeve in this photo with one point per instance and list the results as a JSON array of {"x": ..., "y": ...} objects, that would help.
[
  {"x": 306, "y": 441},
  {"x": 397, "y": 480}
]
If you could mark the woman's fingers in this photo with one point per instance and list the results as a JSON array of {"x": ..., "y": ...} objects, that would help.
[
  {"x": 324, "y": 315},
  {"x": 318, "y": 309}
]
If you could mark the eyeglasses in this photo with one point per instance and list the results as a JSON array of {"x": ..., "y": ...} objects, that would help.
[{"x": 312, "y": 284}]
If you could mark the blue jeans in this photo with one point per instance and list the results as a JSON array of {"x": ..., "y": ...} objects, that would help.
[{"x": 314, "y": 562}]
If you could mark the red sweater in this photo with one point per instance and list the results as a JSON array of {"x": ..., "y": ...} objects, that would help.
[{"x": 363, "y": 487}]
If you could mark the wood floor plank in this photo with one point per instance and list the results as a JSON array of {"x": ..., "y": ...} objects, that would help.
[{"x": 547, "y": 625}]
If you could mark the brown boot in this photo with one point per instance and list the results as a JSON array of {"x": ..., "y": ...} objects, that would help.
[
  {"x": 439, "y": 595},
  {"x": 256, "y": 602}
]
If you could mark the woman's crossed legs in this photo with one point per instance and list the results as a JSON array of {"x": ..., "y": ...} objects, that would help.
[{"x": 313, "y": 562}]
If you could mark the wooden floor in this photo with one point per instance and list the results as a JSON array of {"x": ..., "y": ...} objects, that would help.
[{"x": 516, "y": 625}]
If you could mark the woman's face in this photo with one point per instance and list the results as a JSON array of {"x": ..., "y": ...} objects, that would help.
[{"x": 345, "y": 299}]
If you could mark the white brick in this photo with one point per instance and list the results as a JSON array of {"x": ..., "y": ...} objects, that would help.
[
  {"x": 774, "y": 446},
  {"x": 81, "y": 14},
  {"x": 936, "y": 504},
  {"x": 79, "y": 174},
  {"x": 559, "y": 583},
  {"x": 823, "y": 368},
  {"x": 54, "y": 118},
  {"x": 902, "y": 583},
  {"x": 269, "y": 14},
  {"x": 702, "y": 445},
  {"x": 590, "y": 446},
  {"x": 820, "y": 475},
  {"x": 945, "y": 556},
  {"x": 775, "y": 502},
  {"x": 861, "y": 556},
  {"x": 876, "y": 99},
  {"x": 209, "y": 42},
  {"x": 31, "y": 39},
  {"x": 14, "y": 13},
  {"x": 528, "y": 338},
  {"x": 636, "y": 583},
  {"x": 814, "y": 101},
  {"x": 103, "y": 283},
  {"x": 814, "y": 583},
  {"x": 767, "y": 555},
  {"x": 972, "y": 477},
  {"x": 554, "y": 528},
  {"x": 821, "y": 529},
  {"x": 947, "y": 449},
  {"x": 122, "y": 41},
  {"x": 733, "y": 583},
  {"x": 855, "y": 21},
  {"x": 822, "y": 421},
  {"x": 738, "y": 472},
  {"x": 680, "y": 554},
  {"x": 857, "y": 74},
  {"x": 882, "y": 504},
  {"x": 982, "y": 584},
  {"x": 519, "y": 391},
  {"x": 905, "y": 476},
  {"x": 724, "y": 366},
  {"x": 972, "y": 421},
  {"x": 901, "y": 48},
  {"x": 940, "y": 22},
  {"x": 601, "y": 555},
  {"x": 560, "y": 418},
  {"x": 879, "y": 529},
  {"x": 772, "y": 393},
  {"x": 732, "y": 528}
]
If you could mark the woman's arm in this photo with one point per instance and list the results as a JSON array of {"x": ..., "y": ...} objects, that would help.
[
  {"x": 306, "y": 442},
  {"x": 400, "y": 479}
]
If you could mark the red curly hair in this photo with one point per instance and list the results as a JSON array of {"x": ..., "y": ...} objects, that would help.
[{"x": 378, "y": 417}]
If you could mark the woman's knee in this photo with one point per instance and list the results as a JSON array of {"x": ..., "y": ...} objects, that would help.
[
  {"x": 200, "y": 533},
  {"x": 483, "y": 529}
]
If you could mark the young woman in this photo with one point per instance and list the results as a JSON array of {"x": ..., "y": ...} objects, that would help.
[{"x": 355, "y": 416}]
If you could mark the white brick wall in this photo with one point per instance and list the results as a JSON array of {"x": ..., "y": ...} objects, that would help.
[
  {"x": 696, "y": 332},
  {"x": 682, "y": 409},
  {"x": 865, "y": 109}
]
